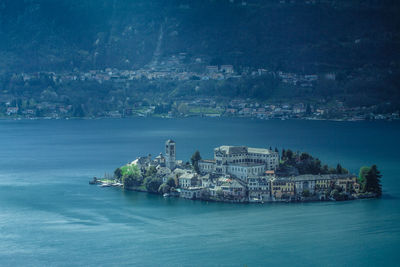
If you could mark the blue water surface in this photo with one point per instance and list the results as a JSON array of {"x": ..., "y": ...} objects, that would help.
[{"x": 50, "y": 216}]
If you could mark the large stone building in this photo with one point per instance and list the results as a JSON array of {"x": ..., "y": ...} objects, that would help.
[{"x": 240, "y": 161}]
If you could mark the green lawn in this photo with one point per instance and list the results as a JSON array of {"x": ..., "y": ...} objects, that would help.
[{"x": 204, "y": 110}]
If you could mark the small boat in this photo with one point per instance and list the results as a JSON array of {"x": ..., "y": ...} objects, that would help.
[
  {"x": 105, "y": 185},
  {"x": 166, "y": 195}
]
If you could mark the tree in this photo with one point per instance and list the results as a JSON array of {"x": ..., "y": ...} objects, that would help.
[
  {"x": 152, "y": 184},
  {"x": 308, "y": 110},
  {"x": 132, "y": 180},
  {"x": 205, "y": 194},
  {"x": 335, "y": 194},
  {"x": 361, "y": 176},
  {"x": 195, "y": 160},
  {"x": 325, "y": 169},
  {"x": 373, "y": 181},
  {"x": 289, "y": 154},
  {"x": 130, "y": 169},
  {"x": 78, "y": 111},
  {"x": 151, "y": 171},
  {"x": 118, "y": 173},
  {"x": 305, "y": 156},
  {"x": 183, "y": 108},
  {"x": 306, "y": 193},
  {"x": 339, "y": 169},
  {"x": 164, "y": 188},
  {"x": 171, "y": 182},
  {"x": 283, "y": 154}
]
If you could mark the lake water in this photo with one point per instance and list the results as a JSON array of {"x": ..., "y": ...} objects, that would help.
[{"x": 49, "y": 215}]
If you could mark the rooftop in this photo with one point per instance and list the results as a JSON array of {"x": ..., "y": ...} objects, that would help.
[
  {"x": 208, "y": 160},
  {"x": 259, "y": 150},
  {"x": 246, "y": 164},
  {"x": 233, "y": 149},
  {"x": 243, "y": 150}
]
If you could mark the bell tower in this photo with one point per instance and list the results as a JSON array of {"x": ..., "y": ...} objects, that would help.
[{"x": 170, "y": 154}]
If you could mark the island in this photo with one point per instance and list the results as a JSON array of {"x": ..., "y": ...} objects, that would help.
[{"x": 241, "y": 174}]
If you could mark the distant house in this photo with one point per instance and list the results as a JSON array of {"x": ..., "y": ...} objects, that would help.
[
  {"x": 212, "y": 69},
  {"x": 12, "y": 110},
  {"x": 282, "y": 189},
  {"x": 259, "y": 189},
  {"x": 311, "y": 77},
  {"x": 187, "y": 180},
  {"x": 231, "y": 111},
  {"x": 191, "y": 192},
  {"x": 262, "y": 72},
  {"x": 228, "y": 69},
  {"x": 207, "y": 166},
  {"x": 160, "y": 160},
  {"x": 234, "y": 188}
]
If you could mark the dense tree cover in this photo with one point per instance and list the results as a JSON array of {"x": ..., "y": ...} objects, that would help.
[
  {"x": 91, "y": 98},
  {"x": 338, "y": 194},
  {"x": 130, "y": 169},
  {"x": 123, "y": 34},
  {"x": 169, "y": 186},
  {"x": 164, "y": 189},
  {"x": 145, "y": 180},
  {"x": 370, "y": 180},
  {"x": 118, "y": 173},
  {"x": 303, "y": 163},
  {"x": 131, "y": 176},
  {"x": 362, "y": 174},
  {"x": 132, "y": 180},
  {"x": 152, "y": 184},
  {"x": 358, "y": 41}
]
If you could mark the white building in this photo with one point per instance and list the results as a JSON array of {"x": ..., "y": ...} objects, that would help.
[
  {"x": 187, "y": 180},
  {"x": 240, "y": 161},
  {"x": 207, "y": 166},
  {"x": 259, "y": 189},
  {"x": 191, "y": 192}
]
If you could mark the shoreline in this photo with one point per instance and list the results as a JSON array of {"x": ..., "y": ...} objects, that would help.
[
  {"x": 309, "y": 200},
  {"x": 186, "y": 117}
]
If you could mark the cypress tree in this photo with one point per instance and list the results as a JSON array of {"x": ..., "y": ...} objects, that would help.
[
  {"x": 373, "y": 181},
  {"x": 361, "y": 176},
  {"x": 195, "y": 160},
  {"x": 339, "y": 169}
]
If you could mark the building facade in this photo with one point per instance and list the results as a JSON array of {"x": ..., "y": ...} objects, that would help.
[
  {"x": 240, "y": 161},
  {"x": 170, "y": 154},
  {"x": 259, "y": 189}
]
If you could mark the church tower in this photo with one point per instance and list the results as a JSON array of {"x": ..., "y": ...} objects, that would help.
[{"x": 170, "y": 154}]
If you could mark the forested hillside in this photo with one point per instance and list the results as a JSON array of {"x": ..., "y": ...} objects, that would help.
[
  {"x": 305, "y": 36},
  {"x": 275, "y": 49}
]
